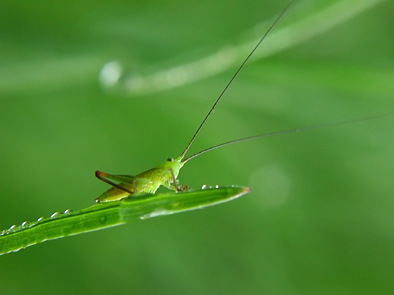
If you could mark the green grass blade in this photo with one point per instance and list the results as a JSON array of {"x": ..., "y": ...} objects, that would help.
[{"x": 109, "y": 214}]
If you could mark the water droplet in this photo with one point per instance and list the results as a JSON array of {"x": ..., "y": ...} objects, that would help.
[
  {"x": 56, "y": 214},
  {"x": 40, "y": 219},
  {"x": 103, "y": 219},
  {"x": 204, "y": 186},
  {"x": 25, "y": 224},
  {"x": 216, "y": 186},
  {"x": 68, "y": 211}
]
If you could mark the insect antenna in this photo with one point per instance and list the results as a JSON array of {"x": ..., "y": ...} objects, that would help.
[
  {"x": 294, "y": 130},
  {"x": 231, "y": 80}
]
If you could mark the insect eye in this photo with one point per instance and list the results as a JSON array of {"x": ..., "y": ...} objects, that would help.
[{"x": 170, "y": 160}]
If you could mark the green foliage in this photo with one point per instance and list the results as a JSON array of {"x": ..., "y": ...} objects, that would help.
[
  {"x": 319, "y": 217},
  {"x": 104, "y": 215}
]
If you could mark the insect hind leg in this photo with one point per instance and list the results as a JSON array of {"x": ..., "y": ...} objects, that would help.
[{"x": 122, "y": 178}]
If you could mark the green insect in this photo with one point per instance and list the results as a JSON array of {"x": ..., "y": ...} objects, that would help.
[{"x": 166, "y": 174}]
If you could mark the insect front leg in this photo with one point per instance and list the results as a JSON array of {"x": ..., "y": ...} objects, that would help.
[{"x": 175, "y": 185}]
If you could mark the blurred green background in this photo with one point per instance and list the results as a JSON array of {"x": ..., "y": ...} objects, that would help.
[{"x": 319, "y": 219}]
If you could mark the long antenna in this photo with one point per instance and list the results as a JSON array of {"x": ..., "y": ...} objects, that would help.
[
  {"x": 231, "y": 81},
  {"x": 294, "y": 130}
]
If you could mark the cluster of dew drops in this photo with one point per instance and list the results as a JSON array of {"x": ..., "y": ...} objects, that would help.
[
  {"x": 209, "y": 186},
  {"x": 26, "y": 224}
]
